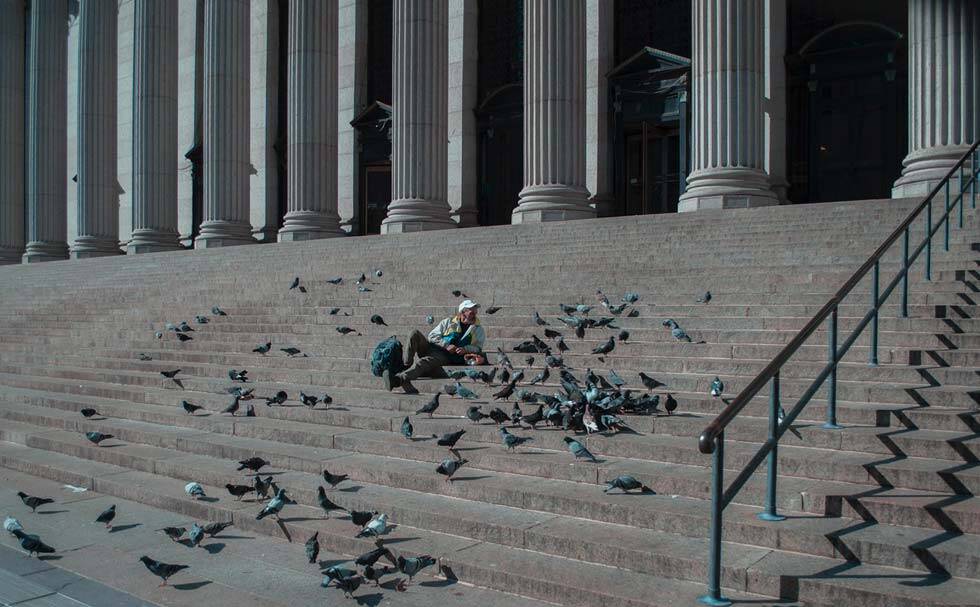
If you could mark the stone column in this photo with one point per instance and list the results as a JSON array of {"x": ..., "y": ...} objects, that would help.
[
  {"x": 599, "y": 61},
  {"x": 11, "y": 131},
  {"x": 727, "y": 143},
  {"x": 47, "y": 225},
  {"x": 554, "y": 113},
  {"x": 98, "y": 188},
  {"x": 774, "y": 104},
  {"x": 154, "y": 127},
  {"x": 420, "y": 94},
  {"x": 226, "y": 125},
  {"x": 944, "y": 90},
  {"x": 352, "y": 74},
  {"x": 311, "y": 169},
  {"x": 267, "y": 136},
  {"x": 463, "y": 32}
]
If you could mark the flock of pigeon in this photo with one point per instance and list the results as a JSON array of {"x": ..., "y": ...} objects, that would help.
[{"x": 584, "y": 405}]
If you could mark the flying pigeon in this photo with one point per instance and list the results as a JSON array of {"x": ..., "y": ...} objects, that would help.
[
  {"x": 194, "y": 489},
  {"x": 430, "y": 406},
  {"x": 97, "y": 437},
  {"x": 33, "y": 502},
  {"x": 449, "y": 467},
  {"x": 626, "y": 483},
  {"x": 649, "y": 382},
  {"x": 717, "y": 387},
  {"x": 162, "y": 570},
  {"x": 312, "y": 547},
  {"x": 579, "y": 450},
  {"x": 263, "y": 349}
]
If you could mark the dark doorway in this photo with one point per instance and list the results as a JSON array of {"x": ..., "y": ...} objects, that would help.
[
  {"x": 500, "y": 156},
  {"x": 653, "y": 176},
  {"x": 373, "y": 127},
  {"x": 377, "y": 195}
]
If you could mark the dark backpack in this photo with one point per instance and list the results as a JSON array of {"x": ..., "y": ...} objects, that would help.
[{"x": 387, "y": 355}]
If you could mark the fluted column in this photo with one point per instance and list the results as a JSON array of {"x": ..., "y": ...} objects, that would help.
[
  {"x": 98, "y": 188},
  {"x": 944, "y": 90},
  {"x": 154, "y": 127},
  {"x": 420, "y": 94},
  {"x": 554, "y": 113},
  {"x": 226, "y": 125},
  {"x": 311, "y": 168},
  {"x": 11, "y": 131},
  {"x": 727, "y": 143},
  {"x": 47, "y": 98}
]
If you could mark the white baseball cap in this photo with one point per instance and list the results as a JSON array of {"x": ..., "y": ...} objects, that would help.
[{"x": 466, "y": 304}]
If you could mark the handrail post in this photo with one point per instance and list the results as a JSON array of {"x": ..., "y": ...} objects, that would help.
[
  {"x": 831, "y": 423},
  {"x": 714, "y": 597},
  {"x": 973, "y": 183},
  {"x": 905, "y": 276},
  {"x": 929, "y": 240},
  {"x": 875, "y": 290},
  {"x": 960, "y": 198},
  {"x": 949, "y": 205},
  {"x": 769, "y": 514}
]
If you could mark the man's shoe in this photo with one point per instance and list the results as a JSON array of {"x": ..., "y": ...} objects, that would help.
[
  {"x": 391, "y": 380},
  {"x": 407, "y": 386}
]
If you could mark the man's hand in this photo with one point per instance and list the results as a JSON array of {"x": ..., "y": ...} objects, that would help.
[{"x": 455, "y": 350}]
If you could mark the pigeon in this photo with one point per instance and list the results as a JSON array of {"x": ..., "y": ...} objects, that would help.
[
  {"x": 213, "y": 529},
  {"x": 11, "y": 524},
  {"x": 333, "y": 311},
  {"x": 290, "y": 351},
  {"x": 33, "y": 502},
  {"x": 705, "y": 298},
  {"x": 174, "y": 533},
  {"x": 170, "y": 374},
  {"x": 376, "y": 527},
  {"x": 429, "y": 319},
  {"x": 218, "y": 311},
  {"x": 308, "y": 400},
  {"x": 190, "y": 408},
  {"x": 475, "y": 415},
  {"x": 492, "y": 310},
  {"x": 253, "y": 463},
  {"x": 377, "y": 320},
  {"x": 551, "y": 334},
  {"x": 145, "y": 357},
  {"x": 97, "y": 437},
  {"x": 448, "y": 468},
  {"x": 294, "y": 284},
  {"x": 512, "y": 441},
  {"x": 464, "y": 392},
  {"x": 325, "y": 503},
  {"x": 87, "y": 413},
  {"x": 32, "y": 543},
  {"x": 240, "y": 392},
  {"x": 499, "y": 416},
  {"x": 506, "y": 391},
  {"x": 158, "y": 334},
  {"x": 378, "y": 273},
  {"x": 183, "y": 326},
  {"x": 201, "y": 319},
  {"x": 533, "y": 418},
  {"x": 562, "y": 346},
  {"x": 239, "y": 491},
  {"x": 335, "y": 573},
  {"x": 583, "y": 309},
  {"x": 670, "y": 404},
  {"x": 363, "y": 289},
  {"x": 458, "y": 293},
  {"x": 615, "y": 379},
  {"x": 164, "y": 571},
  {"x": 349, "y": 585},
  {"x": 631, "y": 297},
  {"x": 605, "y": 348},
  {"x": 336, "y": 281},
  {"x": 235, "y": 375},
  {"x": 538, "y": 320},
  {"x": 263, "y": 349},
  {"x": 579, "y": 450},
  {"x": 430, "y": 407},
  {"x": 649, "y": 382},
  {"x": 623, "y": 335},
  {"x": 633, "y": 313},
  {"x": 780, "y": 416},
  {"x": 626, "y": 483},
  {"x": 184, "y": 337},
  {"x": 274, "y": 507},
  {"x": 196, "y": 535},
  {"x": 194, "y": 489},
  {"x": 334, "y": 479},
  {"x": 411, "y": 566},
  {"x": 233, "y": 406},
  {"x": 516, "y": 414},
  {"x": 717, "y": 387},
  {"x": 360, "y": 517},
  {"x": 450, "y": 439},
  {"x": 345, "y": 330},
  {"x": 617, "y": 309},
  {"x": 312, "y": 548},
  {"x": 362, "y": 279},
  {"x": 407, "y": 428},
  {"x": 106, "y": 516},
  {"x": 250, "y": 411},
  {"x": 262, "y": 486}
]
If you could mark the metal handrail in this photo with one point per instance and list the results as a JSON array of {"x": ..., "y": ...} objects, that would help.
[{"x": 712, "y": 439}]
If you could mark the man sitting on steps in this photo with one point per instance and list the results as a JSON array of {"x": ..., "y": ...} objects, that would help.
[{"x": 454, "y": 341}]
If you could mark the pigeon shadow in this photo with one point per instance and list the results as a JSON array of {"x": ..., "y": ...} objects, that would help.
[
  {"x": 214, "y": 548},
  {"x": 52, "y": 511},
  {"x": 438, "y": 583},
  {"x": 112, "y": 445},
  {"x": 237, "y": 537},
  {"x": 178, "y": 382},
  {"x": 202, "y": 415},
  {"x": 185, "y": 542},
  {"x": 207, "y": 499},
  {"x": 395, "y": 540},
  {"x": 420, "y": 438},
  {"x": 456, "y": 479},
  {"x": 371, "y": 600},
  {"x": 470, "y": 448},
  {"x": 330, "y": 563},
  {"x": 285, "y": 532},
  {"x": 49, "y": 557},
  {"x": 300, "y": 519},
  {"x": 119, "y": 528},
  {"x": 191, "y": 585},
  {"x": 353, "y": 489}
]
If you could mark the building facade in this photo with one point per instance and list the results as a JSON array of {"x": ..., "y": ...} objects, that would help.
[{"x": 145, "y": 125}]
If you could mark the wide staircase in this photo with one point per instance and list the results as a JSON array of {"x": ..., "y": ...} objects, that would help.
[{"x": 880, "y": 513}]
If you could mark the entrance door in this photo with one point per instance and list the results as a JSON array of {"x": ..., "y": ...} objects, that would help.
[
  {"x": 652, "y": 170},
  {"x": 501, "y": 171},
  {"x": 377, "y": 195}
]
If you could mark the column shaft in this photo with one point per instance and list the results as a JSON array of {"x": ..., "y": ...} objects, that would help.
[
  {"x": 98, "y": 188},
  {"x": 226, "y": 124},
  {"x": 11, "y": 131},
  {"x": 420, "y": 123},
  {"x": 554, "y": 113},
  {"x": 47, "y": 98},
  {"x": 154, "y": 127},
  {"x": 944, "y": 90},
  {"x": 462, "y": 156},
  {"x": 727, "y": 144},
  {"x": 352, "y": 75},
  {"x": 312, "y": 122},
  {"x": 600, "y": 32}
]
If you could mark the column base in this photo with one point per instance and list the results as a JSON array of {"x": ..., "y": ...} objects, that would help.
[
  {"x": 10, "y": 256},
  {"x": 309, "y": 225},
  {"x": 299, "y": 235},
  {"x": 466, "y": 217},
  {"x": 152, "y": 241},
  {"x": 415, "y": 215},
  {"x": 736, "y": 188},
  {"x": 603, "y": 204},
  {"x": 85, "y": 247},
  {"x": 221, "y": 233},
  {"x": 39, "y": 251},
  {"x": 553, "y": 202},
  {"x": 924, "y": 169}
]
